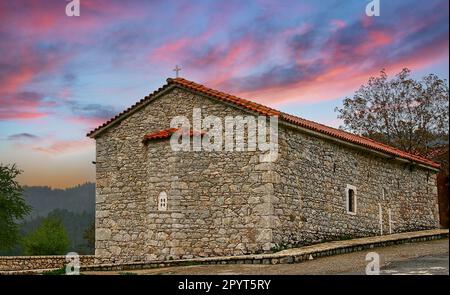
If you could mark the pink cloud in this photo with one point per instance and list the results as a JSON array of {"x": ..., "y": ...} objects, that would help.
[
  {"x": 219, "y": 63},
  {"x": 13, "y": 81},
  {"x": 170, "y": 49},
  {"x": 338, "y": 66},
  {"x": 38, "y": 19},
  {"x": 339, "y": 81},
  {"x": 338, "y": 24},
  {"x": 87, "y": 122},
  {"x": 376, "y": 39},
  {"x": 239, "y": 57},
  {"x": 18, "y": 115},
  {"x": 64, "y": 146},
  {"x": 22, "y": 105}
]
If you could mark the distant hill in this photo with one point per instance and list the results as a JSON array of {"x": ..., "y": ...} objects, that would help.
[
  {"x": 78, "y": 199},
  {"x": 74, "y": 206}
]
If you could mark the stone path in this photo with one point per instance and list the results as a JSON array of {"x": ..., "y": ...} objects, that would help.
[
  {"x": 303, "y": 254},
  {"x": 291, "y": 255},
  {"x": 436, "y": 264},
  {"x": 429, "y": 257}
]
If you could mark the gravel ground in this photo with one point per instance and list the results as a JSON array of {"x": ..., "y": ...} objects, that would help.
[{"x": 429, "y": 257}]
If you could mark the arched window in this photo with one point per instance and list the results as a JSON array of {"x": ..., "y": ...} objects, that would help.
[{"x": 162, "y": 201}]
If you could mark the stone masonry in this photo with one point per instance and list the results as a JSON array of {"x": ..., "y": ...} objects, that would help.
[
  {"x": 24, "y": 263},
  {"x": 229, "y": 203}
]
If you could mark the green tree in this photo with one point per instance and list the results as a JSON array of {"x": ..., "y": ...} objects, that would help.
[
  {"x": 49, "y": 239},
  {"x": 89, "y": 235},
  {"x": 409, "y": 114},
  {"x": 12, "y": 207}
]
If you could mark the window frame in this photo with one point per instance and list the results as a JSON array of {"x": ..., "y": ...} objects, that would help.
[{"x": 347, "y": 199}]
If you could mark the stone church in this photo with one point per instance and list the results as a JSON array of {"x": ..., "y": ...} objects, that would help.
[{"x": 326, "y": 184}]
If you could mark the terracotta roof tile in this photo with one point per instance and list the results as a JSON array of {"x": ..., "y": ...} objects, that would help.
[
  {"x": 436, "y": 152},
  {"x": 160, "y": 134},
  {"x": 166, "y": 133},
  {"x": 267, "y": 111}
]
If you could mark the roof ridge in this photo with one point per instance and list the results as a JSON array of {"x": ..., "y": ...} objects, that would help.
[
  {"x": 361, "y": 137},
  {"x": 283, "y": 114},
  {"x": 269, "y": 111},
  {"x": 341, "y": 130},
  {"x": 183, "y": 82}
]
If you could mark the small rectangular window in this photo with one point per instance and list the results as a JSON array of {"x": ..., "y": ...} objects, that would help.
[
  {"x": 351, "y": 200},
  {"x": 350, "y": 196},
  {"x": 162, "y": 201}
]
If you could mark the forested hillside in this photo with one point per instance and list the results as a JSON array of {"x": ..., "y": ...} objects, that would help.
[
  {"x": 78, "y": 199},
  {"x": 75, "y": 207}
]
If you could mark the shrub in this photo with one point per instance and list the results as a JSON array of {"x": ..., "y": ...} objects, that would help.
[{"x": 49, "y": 239}]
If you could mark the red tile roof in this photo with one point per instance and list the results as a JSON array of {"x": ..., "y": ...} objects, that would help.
[
  {"x": 166, "y": 133},
  {"x": 160, "y": 134},
  {"x": 267, "y": 111},
  {"x": 436, "y": 152}
]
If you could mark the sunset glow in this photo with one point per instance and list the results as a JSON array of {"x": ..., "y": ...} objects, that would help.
[{"x": 62, "y": 76}]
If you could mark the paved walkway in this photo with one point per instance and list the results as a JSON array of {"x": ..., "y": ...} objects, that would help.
[
  {"x": 436, "y": 264},
  {"x": 430, "y": 257},
  {"x": 291, "y": 255}
]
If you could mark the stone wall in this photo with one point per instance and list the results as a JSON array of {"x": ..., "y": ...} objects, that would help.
[
  {"x": 310, "y": 199},
  {"x": 228, "y": 203},
  {"x": 217, "y": 201},
  {"x": 20, "y": 263}
]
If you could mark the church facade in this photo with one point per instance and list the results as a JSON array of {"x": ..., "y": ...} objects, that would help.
[{"x": 153, "y": 202}]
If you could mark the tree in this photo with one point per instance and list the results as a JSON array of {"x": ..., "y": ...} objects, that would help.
[
  {"x": 49, "y": 239},
  {"x": 89, "y": 235},
  {"x": 408, "y": 114},
  {"x": 12, "y": 207}
]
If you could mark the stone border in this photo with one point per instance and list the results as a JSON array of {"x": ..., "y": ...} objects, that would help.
[
  {"x": 294, "y": 255},
  {"x": 26, "y": 272}
]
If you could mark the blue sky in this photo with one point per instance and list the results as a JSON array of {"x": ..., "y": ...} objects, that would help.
[{"x": 62, "y": 76}]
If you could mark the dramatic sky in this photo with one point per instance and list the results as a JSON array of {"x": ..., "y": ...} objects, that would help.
[{"x": 62, "y": 76}]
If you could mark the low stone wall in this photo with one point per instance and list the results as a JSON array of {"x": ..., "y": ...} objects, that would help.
[{"x": 21, "y": 263}]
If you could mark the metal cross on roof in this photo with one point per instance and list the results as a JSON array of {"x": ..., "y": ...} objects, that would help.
[{"x": 177, "y": 70}]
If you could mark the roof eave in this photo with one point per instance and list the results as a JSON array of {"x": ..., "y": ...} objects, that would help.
[
  {"x": 171, "y": 84},
  {"x": 361, "y": 147},
  {"x": 96, "y": 132}
]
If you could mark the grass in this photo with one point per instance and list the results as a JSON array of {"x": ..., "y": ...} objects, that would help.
[{"x": 59, "y": 271}]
